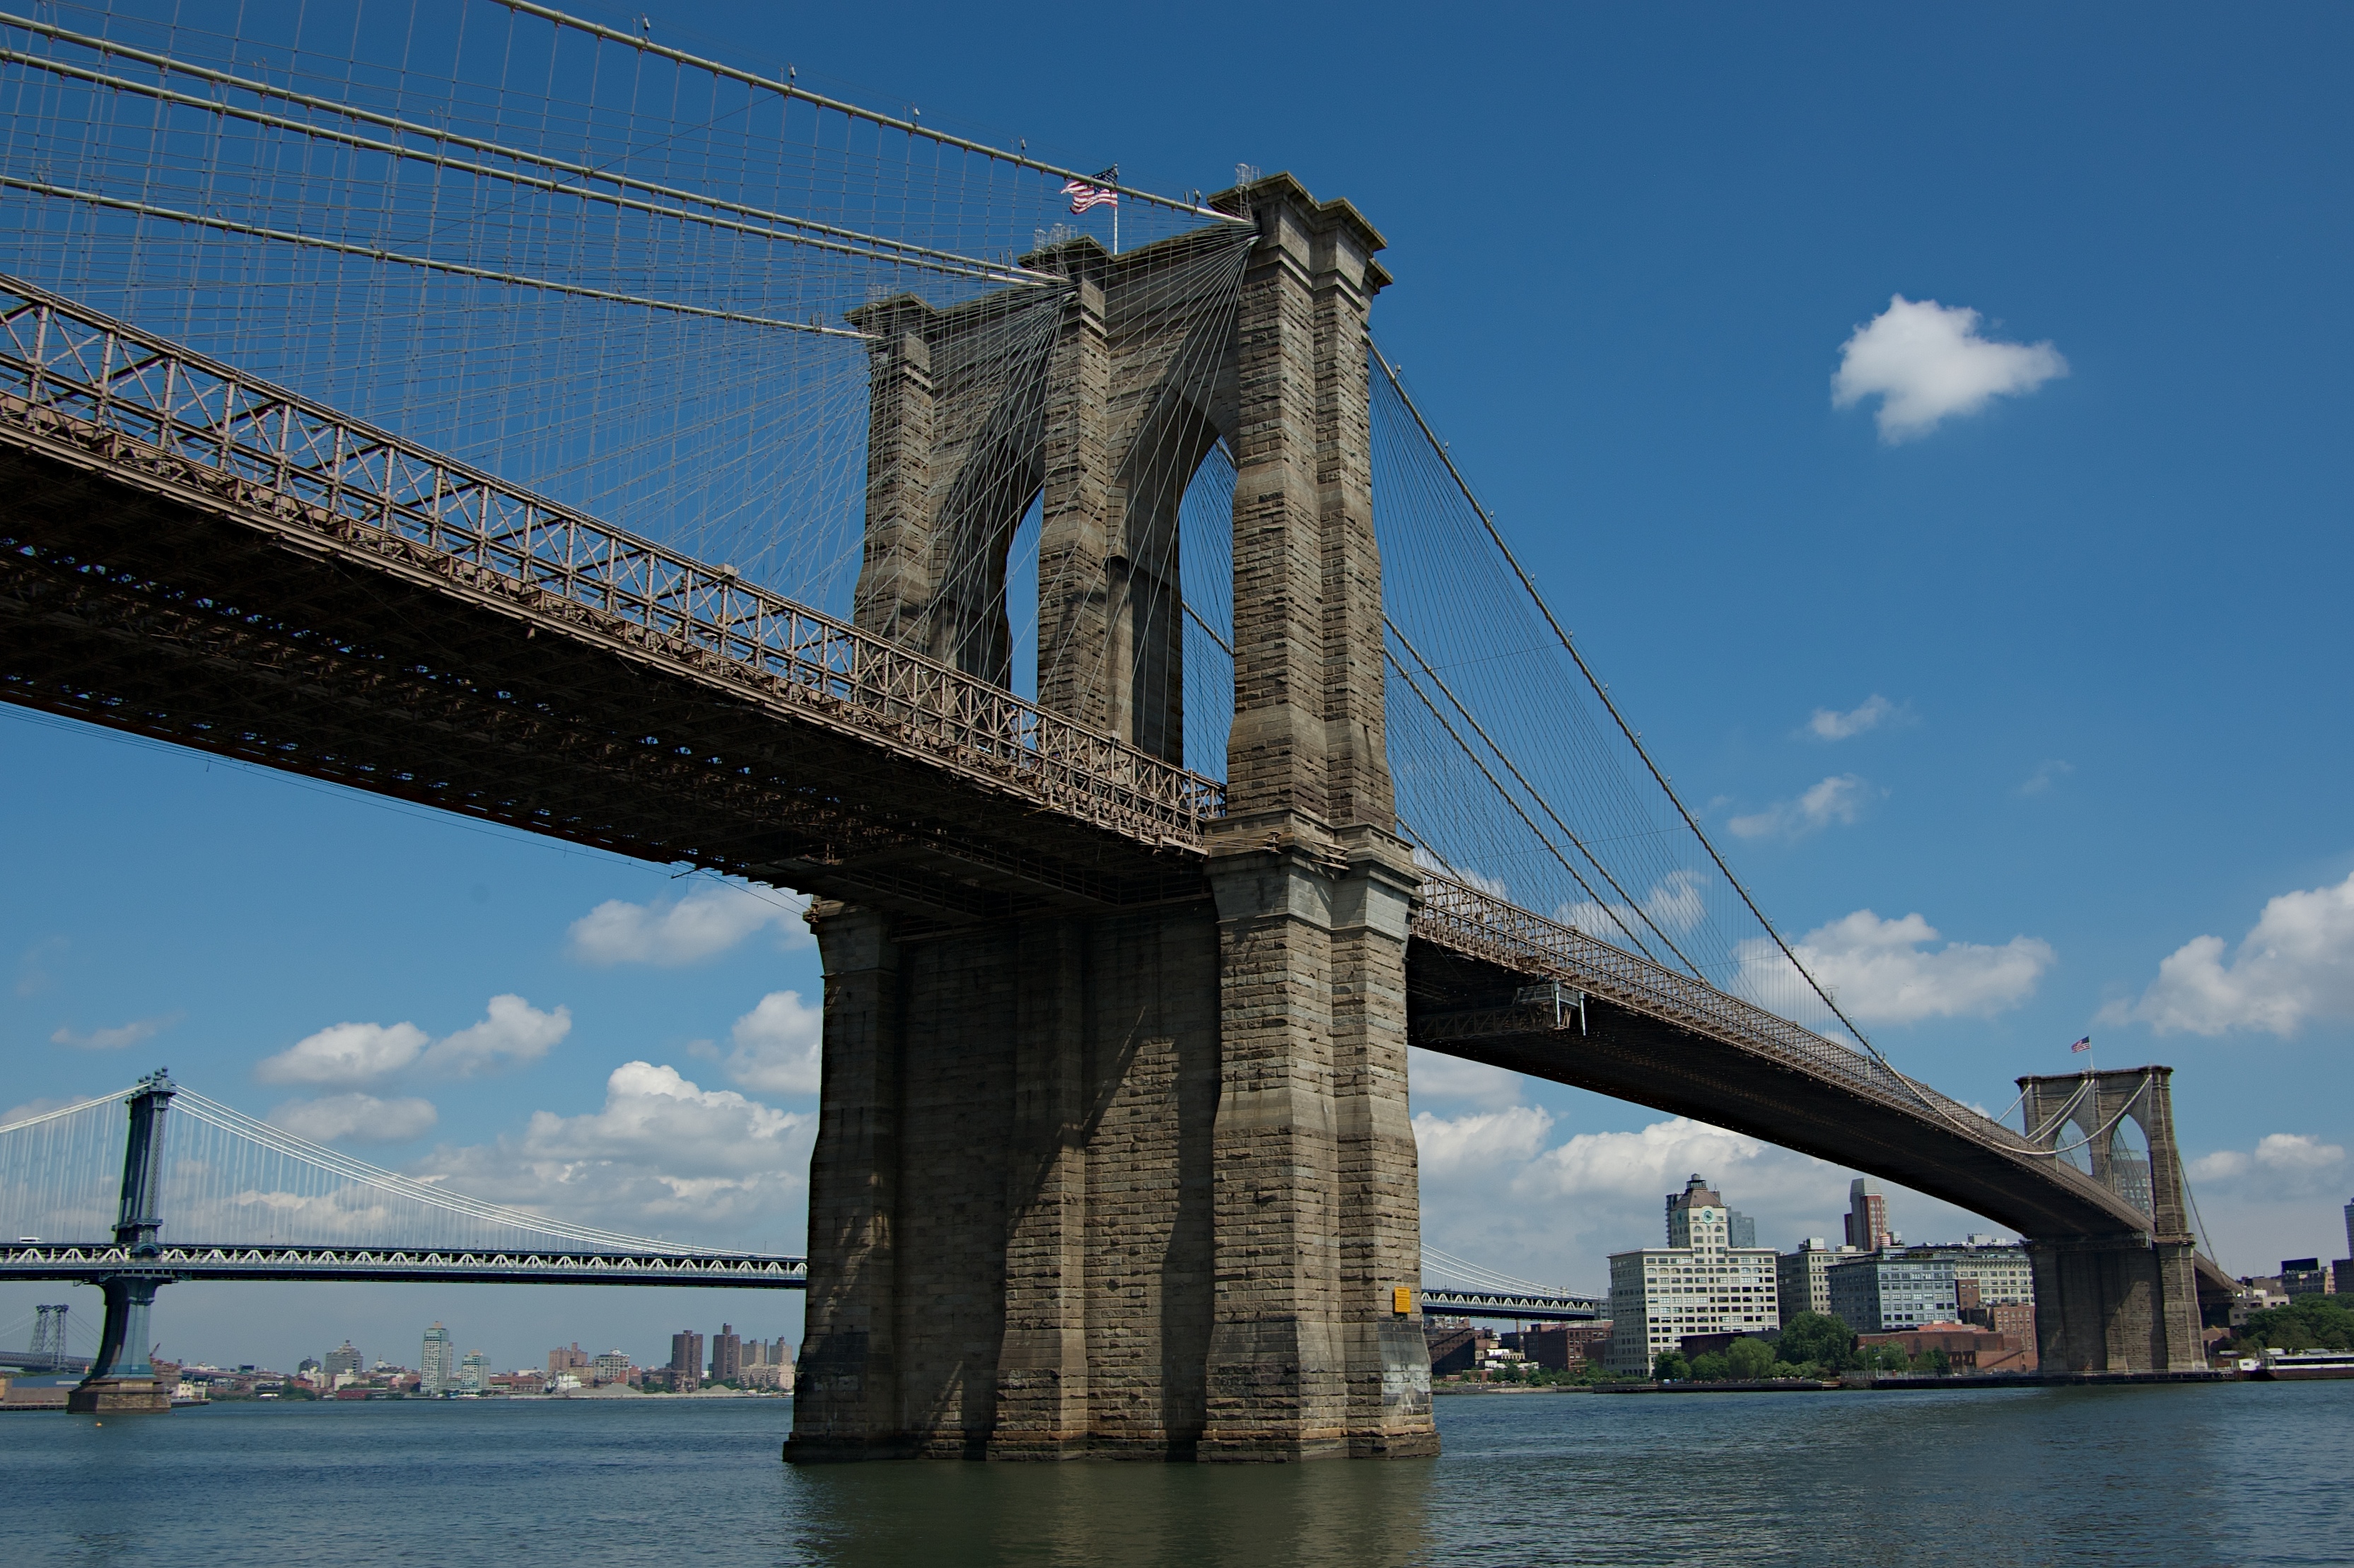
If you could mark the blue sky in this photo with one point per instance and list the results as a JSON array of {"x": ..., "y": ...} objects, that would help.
[{"x": 2103, "y": 614}]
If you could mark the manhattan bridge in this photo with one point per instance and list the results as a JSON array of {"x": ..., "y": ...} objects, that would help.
[{"x": 474, "y": 404}]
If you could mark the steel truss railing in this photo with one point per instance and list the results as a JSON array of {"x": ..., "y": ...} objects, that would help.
[
  {"x": 139, "y": 402},
  {"x": 1501, "y": 1304},
  {"x": 1481, "y": 925},
  {"x": 104, "y": 1260}
]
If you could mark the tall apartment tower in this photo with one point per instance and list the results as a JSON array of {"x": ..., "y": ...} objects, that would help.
[
  {"x": 2349, "y": 1230},
  {"x": 686, "y": 1359},
  {"x": 726, "y": 1354},
  {"x": 437, "y": 1365},
  {"x": 1866, "y": 1216}
]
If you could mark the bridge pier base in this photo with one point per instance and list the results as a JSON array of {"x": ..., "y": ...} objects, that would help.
[
  {"x": 2116, "y": 1305},
  {"x": 121, "y": 1379},
  {"x": 1009, "y": 1198}
]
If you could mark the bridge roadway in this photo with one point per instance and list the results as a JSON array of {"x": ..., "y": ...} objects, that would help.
[
  {"x": 1521, "y": 1307},
  {"x": 92, "y": 1262},
  {"x": 196, "y": 556}
]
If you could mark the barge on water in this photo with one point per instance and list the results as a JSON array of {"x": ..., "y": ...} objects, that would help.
[{"x": 2298, "y": 1366}]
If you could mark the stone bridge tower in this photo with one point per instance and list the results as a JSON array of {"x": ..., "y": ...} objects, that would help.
[
  {"x": 2127, "y": 1302},
  {"x": 1138, "y": 1182}
]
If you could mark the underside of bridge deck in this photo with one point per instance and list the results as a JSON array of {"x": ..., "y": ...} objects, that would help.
[
  {"x": 2116, "y": 1291},
  {"x": 1629, "y": 1056},
  {"x": 151, "y": 608}
]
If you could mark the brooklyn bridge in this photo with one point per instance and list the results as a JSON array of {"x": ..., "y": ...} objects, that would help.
[{"x": 577, "y": 434}]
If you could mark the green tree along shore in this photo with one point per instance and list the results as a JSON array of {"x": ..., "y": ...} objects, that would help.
[
  {"x": 2307, "y": 1323},
  {"x": 1811, "y": 1344}
]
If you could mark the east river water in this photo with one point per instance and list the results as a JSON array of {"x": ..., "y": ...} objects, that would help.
[{"x": 2238, "y": 1473}]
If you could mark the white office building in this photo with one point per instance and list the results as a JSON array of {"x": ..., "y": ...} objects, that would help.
[{"x": 1700, "y": 1283}]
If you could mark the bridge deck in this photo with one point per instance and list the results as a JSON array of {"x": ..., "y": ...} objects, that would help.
[
  {"x": 194, "y": 555},
  {"x": 87, "y": 1263},
  {"x": 1662, "y": 1039}
]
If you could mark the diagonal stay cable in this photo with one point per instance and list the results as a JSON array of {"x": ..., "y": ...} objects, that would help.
[
  {"x": 1602, "y": 692},
  {"x": 885, "y": 247},
  {"x": 767, "y": 228},
  {"x": 1546, "y": 805},
  {"x": 277, "y": 1140},
  {"x": 376, "y": 253},
  {"x": 1506, "y": 796},
  {"x": 881, "y": 122}
]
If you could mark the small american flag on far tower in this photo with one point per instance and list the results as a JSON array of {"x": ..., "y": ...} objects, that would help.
[
  {"x": 2084, "y": 1044},
  {"x": 1084, "y": 195}
]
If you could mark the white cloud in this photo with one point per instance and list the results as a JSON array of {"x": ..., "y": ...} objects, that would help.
[
  {"x": 2281, "y": 1163},
  {"x": 1497, "y": 1191},
  {"x": 1494, "y": 886},
  {"x": 1882, "y": 971},
  {"x": 1673, "y": 905},
  {"x": 1431, "y": 1076},
  {"x": 1650, "y": 1163},
  {"x": 2048, "y": 772},
  {"x": 1828, "y": 724},
  {"x": 1447, "y": 1146},
  {"x": 116, "y": 1038},
  {"x": 2297, "y": 966},
  {"x": 359, "y": 1119},
  {"x": 345, "y": 1055},
  {"x": 34, "y": 964},
  {"x": 663, "y": 1156},
  {"x": 778, "y": 1046},
  {"x": 30, "y": 1108},
  {"x": 670, "y": 932},
  {"x": 1925, "y": 361},
  {"x": 1837, "y": 799},
  {"x": 512, "y": 1030}
]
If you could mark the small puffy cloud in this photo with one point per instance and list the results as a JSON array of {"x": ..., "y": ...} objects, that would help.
[
  {"x": 1632, "y": 1166},
  {"x": 1886, "y": 971},
  {"x": 1673, "y": 904},
  {"x": 671, "y": 932},
  {"x": 1432, "y": 1076},
  {"x": 2283, "y": 1162},
  {"x": 35, "y": 964},
  {"x": 1449, "y": 1146},
  {"x": 1494, "y": 886},
  {"x": 2048, "y": 772},
  {"x": 345, "y": 1055},
  {"x": 2294, "y": 966},
  {"x": 513, "y": 1031},
  {"x": 1925, "y": 362},
  {"x": 778, "y": 1046},
  {"x": 663, "y": 1156},
  {"x": 1829, "y": 724},
  {"x": 1838, "y": 799},
  {"x": 356, "y": 1119},
  {"x": 15, "y": 1114},
  {"x": 116, "y": 1038}
]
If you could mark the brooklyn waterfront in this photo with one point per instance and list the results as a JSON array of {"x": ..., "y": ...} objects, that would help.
[{"x": 2233, "y": 1474}]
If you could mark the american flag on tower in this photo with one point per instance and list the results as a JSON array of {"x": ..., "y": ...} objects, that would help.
[
  {"x": 2084, "y": 1044},
  {"x": 1084, "y": 195}
]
